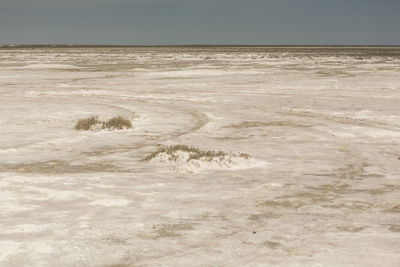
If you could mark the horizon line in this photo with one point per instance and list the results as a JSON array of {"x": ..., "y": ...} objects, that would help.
[{"x": 197, "y": 45}]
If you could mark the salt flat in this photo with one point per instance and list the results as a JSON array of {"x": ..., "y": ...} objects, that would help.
[{"x": 322, "y": 127}]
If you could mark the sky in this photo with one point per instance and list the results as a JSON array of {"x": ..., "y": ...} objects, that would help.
[{"x": 169, "y": 22}]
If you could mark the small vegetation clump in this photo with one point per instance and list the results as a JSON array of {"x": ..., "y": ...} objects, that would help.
[
  {"x": 244, "y": 155},
  {"x": 117, "y": 123},
  {"x": 194, "y": 153},
  {"x": 87, "y": 123}
]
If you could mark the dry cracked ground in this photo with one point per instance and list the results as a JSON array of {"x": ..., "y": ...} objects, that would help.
[{"x": 322, "y": 125}]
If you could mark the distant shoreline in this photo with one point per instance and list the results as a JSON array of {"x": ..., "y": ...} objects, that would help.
[{"x": 192, "y": 46}]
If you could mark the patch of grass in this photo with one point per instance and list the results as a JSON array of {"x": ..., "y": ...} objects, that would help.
[
  {"x": 170, "y": 150},
  {"x": 209, "y": 155},
  {"x": 87, "y": 123},
  {"x": 117, "y": 123},
  {"x": 194, "y": 153},
  {"x": 244, "y": 155}
]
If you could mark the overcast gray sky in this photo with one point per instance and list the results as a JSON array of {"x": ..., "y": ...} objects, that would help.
[{"x": 146, "y": 22}]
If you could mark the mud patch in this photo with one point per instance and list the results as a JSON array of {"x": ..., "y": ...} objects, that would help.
[
  {"x": 281, "y": 204},
  {"x": 272, "y": 244},
  {"x": 169, "y": 230},
  {"x": 311, "y": 197},
  {"x": 350, "y": 229},
  {"x": 395, "y": 209},
  {"x": 112, "y": 240},
  {"x": 58, "y": 167},
  {"x": 262, "y": 216},
  {"x": 252, "y": 124},
  {"x": 394, "y": 228},
  {"x": 333, "y": 73}
]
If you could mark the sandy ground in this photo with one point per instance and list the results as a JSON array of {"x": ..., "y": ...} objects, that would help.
[{"x": 322, "y": 126}]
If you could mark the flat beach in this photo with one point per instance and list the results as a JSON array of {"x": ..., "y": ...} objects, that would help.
[{"x": 308, "y": 172}]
